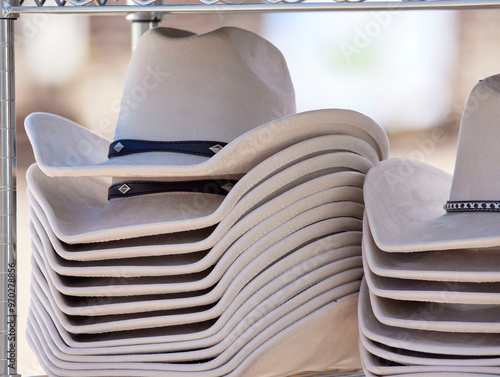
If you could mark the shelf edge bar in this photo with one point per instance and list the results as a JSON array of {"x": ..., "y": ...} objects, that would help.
[{"x": 257, "y": 8}]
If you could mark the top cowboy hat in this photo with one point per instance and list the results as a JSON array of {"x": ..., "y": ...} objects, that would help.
[
  {"x": 185, "y": 97},
  {"x": 412, "y": 206}
]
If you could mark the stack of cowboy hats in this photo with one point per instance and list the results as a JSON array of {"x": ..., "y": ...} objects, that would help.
[
  {"x": 218, "y": 234},
  {"x": 430, "y": 303}
]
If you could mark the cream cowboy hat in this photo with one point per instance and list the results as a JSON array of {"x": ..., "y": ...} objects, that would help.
[
  {"x": 457, "y": 265},
  {"x": 406, "y": 200},
  {"x": 203, "y": 245},
  {"x": 184, "y": 99},
  {"x": 387, "y": 362},
  {"x": 78, "y": 210},
  {"x": 244, "y": 310},
  {"x": 450, "y": 287},
  {"x": 276, "y": 341},
  {"x": 223, "y": 292},
  {"x": 450, "y": 343},
  {"x": 207, "y": 348},
  {"x": 280, "y": 290},
  {"x": 186, "y": 263},
  {"x": 330, "y": 306},
  {"x": 192, "y": 313}
]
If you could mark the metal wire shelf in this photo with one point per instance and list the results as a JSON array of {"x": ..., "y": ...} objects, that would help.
[
  {"x": 146, "y": 12},
  {"x": 216, "y": 6}
]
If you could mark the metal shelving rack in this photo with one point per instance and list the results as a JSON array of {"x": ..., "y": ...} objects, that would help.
[{"x": 143, "y": 14}]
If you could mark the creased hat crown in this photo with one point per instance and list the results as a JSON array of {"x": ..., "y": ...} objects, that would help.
[
  {"x": 477, "y": 169},
  {"x": 214, "y": 86}
]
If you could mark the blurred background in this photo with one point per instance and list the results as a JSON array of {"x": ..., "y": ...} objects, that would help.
[{"x": 410, "y": 71}]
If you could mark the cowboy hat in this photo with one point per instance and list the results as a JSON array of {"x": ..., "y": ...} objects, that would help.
[
  {"x": 303, "y": 317},
  {"x": 431, "y": 361},
  {"x": 193, "y": 95},
  {"x": 457, "y": 265},
  {"x": 436, "y": 316},
  {"x": 379, "y": 360},
  {"x": 412, "y": 206},
  {"x": 450, "y": 343},
  {"x": 78, "y": 210},
  {"x": 244, "y": 310},
  {"x": 122, "y": 322},
  {"x": 272, "y": 295},
  {"x": 341, "y": 186},
  {"x": 206, "y": 348},
  {"x": 223, "y": 293},
  {"x": 186, "y": 263}
]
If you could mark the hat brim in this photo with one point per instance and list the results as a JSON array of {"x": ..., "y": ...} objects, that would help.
[
  {"x": 451, "y": 343},
  {"x": 463, "y": 318},
  {"x": 346, "y": 186},
  {"x": 404, "y": 202},
  {"x": 431, "y": 291},
  {"x": 186, "y": 263},
  {"x": 223, "y": 293},
  {"x": 288, "y": 325},
  {"x": 429, "y": 362},
  {"x": 166, "y": 339},
  {"x": 331, "y": 218},
  {"x": 203, "y": 349},
  {"x": 78, "y": 211},
  {"x": 457, "y": 265},
  {"x": 245, "y": 269},
  {"x": 236, "y": 318},
  {"x": 381, "y": 361},
  {"x": 63, "y": 148}
]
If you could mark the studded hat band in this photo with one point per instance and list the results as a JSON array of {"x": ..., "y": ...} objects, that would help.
[
  {"x": 204, "y": 148},
  {"x": 135, "y": 188},
  {"x": 473, "y": 206}
]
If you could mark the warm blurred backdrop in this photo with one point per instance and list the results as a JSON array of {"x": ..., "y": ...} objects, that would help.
[{"x": 410, "y": 71}]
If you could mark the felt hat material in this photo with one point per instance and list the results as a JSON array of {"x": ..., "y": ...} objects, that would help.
[
  {"x": 218, "y": 233},
  {"x": 98, "y": 220}
]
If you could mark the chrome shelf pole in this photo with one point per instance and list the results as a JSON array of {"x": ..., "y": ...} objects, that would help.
[
  {"x": 142, "y": 21},
  {"x": 8, "y": 236}
]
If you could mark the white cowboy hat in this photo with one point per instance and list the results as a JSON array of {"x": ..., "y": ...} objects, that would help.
[
  {"x": 186, "y": 263},
  {"x": 379, "y": 360},
  {"x": 457, "y": 265},
  {"x": 450, "y": 343},
  {"x": 464, "y": 318},
  {"x": 235, "y": 319},
  {"x": 341, "y": 186},
  {"x": 332, "y": 305},
  {"x": 224, "y": 292},
  {"x": 78, "y": 210},
  {"x": 406, "y": 200},
  {"x": 192, "y": 94},
  {"x": 120, "y": 322},
  {"x": 206, "y": 348},
  {"x": 243, "y": 311},
  {"x": 320, "y": 221},
  {"x": 431, "y": 361}
]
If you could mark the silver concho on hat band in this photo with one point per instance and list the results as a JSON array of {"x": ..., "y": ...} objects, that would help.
[{"x": 473, "y": 206}]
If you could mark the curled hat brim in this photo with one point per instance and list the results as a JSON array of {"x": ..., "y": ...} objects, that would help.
[
  {"x": 170, "y": 338},
  {"x": 185, "y": 263},
  {"x": 423, "y": 340},
  {"x": 64, "y": 148},
  {"x": 333, "y": 307},
  {"x": 348, "y": 184},
  {"x": 404, "y": 203},
  {"x": 78, "y": 211}
]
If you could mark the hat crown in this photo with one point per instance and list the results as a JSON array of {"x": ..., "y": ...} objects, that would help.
[
  {"x": 477, "y": 167},
  {"x": 215, "y": 86}
]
